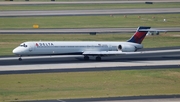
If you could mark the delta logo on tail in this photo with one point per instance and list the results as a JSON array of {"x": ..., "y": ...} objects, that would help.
[{"x": 139, "y": 35}]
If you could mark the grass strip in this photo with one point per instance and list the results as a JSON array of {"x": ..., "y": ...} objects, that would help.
[
  {"x": 155, "y": 20},
  {"x": 89, "y": 84},
  {"x": 87, "y": 6}
]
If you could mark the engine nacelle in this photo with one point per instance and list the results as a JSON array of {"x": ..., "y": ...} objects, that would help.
[{"x": 127, "y": 48}]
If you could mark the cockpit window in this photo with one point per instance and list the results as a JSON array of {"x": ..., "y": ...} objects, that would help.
[{"x": 23, "y": 45}]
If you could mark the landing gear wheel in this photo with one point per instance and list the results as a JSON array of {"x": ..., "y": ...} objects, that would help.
[
  {"x": 98, "y": 58},
  {"x": 86, "y": 58},
  {"x": 20, "y": 59}
]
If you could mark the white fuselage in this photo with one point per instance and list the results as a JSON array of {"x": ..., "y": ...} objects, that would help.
[{"x": 71, "y": 47}]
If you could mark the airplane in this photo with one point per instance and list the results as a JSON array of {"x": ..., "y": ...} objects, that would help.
[{"x": 86, "y": 48}]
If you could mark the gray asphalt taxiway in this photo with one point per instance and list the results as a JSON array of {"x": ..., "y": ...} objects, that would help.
[
  {"x": 83, "y": 2},
  {"x": 88, "y": 12},
  {"x": 81, "y": 31}
]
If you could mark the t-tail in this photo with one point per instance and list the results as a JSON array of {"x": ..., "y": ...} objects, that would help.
[{"x": 139, "y": 35}]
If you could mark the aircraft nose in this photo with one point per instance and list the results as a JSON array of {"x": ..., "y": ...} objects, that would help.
[{"x": 16, "y": 51}]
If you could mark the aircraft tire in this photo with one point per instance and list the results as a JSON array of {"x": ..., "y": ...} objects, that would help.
[
  {"x": 86, "y": 58},
  {"x": 98, "y": 58},
  {"x": 20, "y": 59}
]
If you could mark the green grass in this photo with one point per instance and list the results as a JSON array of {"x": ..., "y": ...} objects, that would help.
[
  {"x": 91, "y": 21},
  {"x": 8, "y": 42},
  {"x": 87, "y": 6},
  {"x": 89, "y": 84}
]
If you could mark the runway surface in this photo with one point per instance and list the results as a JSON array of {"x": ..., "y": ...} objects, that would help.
[
  {"x": 46, "y": 64},
  {"x": 88, "y": 12},
  {"x": 80, "y": 31}
]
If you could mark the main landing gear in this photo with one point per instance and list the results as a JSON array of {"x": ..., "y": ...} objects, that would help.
[
  {"x": 98, "y": 58},
  {"x": 86, "y": 58}
]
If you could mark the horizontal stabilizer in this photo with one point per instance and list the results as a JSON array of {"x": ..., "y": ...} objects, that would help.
[{"x": 153, "y": 30}]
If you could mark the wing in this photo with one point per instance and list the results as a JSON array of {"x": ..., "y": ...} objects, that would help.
[
  {"x": 153, "y": 30},
  {"x": 110, "y": 53},
  {"x": 161, "y": 51},
  {"x": 107, "y": 53}
]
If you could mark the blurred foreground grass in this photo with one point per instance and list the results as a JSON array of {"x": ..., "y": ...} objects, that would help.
[{"x": 89, "y": 84}]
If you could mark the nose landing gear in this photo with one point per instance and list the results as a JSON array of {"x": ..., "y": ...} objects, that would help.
[{"x": 20, "y": 59}]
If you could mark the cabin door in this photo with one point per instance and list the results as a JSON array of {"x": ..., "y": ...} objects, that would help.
[
  {"x": 31, "y": 48},
  {"x": 110, "y": 48}
]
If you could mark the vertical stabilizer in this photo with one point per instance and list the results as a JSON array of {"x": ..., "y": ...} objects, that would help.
[{"x": 139, "y": 35}]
